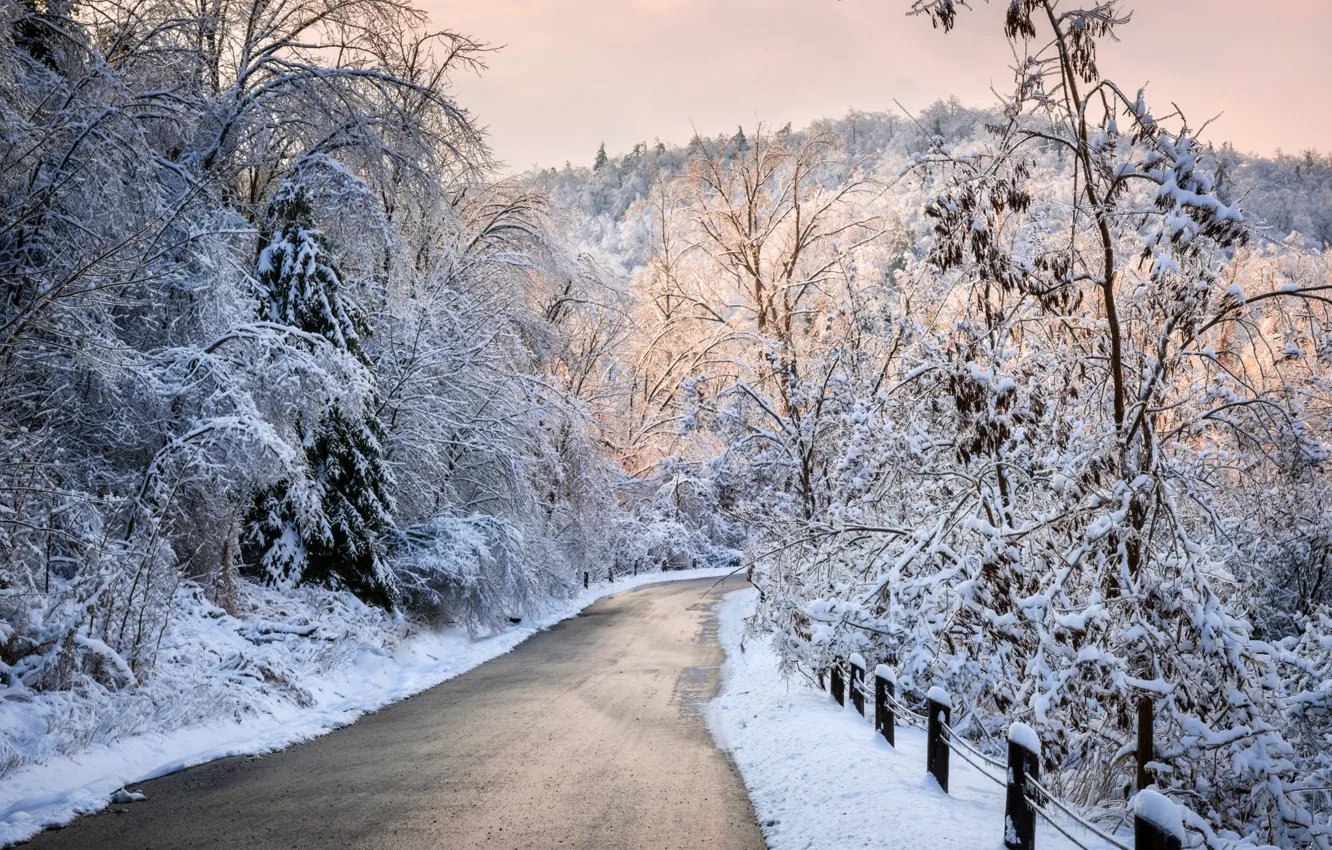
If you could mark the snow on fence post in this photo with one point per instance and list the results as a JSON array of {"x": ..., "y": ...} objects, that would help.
[
  {"x": 838, "y": 691},
  {"x": 1145, "y": 748},
  {"x": 1157, "y": 824},
  {"x": 858, "y": 682},
  {"x": 883, "y": 711},
  {"x": 1024, "y": 761},
  {"x": 938, "y": 713}
]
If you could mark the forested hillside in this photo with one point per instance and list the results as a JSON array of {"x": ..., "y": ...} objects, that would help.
[
  {"x": 1029, "y": 402},
  {"x": 1282, "y": 195}
]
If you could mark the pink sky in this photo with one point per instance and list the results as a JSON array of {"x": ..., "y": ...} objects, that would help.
[{"x": 575, "y": 73}]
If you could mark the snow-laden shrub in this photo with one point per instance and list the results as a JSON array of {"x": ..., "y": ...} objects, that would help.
[
  {"x": 470, "y": 571},
  {"x": 1307, "y": 665},
  {"x": 207, "y": 665}
]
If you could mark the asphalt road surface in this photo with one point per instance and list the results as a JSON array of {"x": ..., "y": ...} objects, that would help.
[{"x": 588, "y": 735}]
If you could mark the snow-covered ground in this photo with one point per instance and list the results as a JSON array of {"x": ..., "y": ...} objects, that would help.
[
  {"x": 230, "y": 687},
  {"x": 820, "y": 777}
]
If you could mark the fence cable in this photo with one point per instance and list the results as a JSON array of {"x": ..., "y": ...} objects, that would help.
[
  {"x": 982, "y": 771},
  {"x": 1059, "y": 804},
  {"x": 954, "y": 737},
  {"x": 902, "y": 709},
  {"x": 1056, "y": 825},
  {"x": 898, "y": 708}
]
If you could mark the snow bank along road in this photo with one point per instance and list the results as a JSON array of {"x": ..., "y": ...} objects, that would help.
[
  {"x": 821, "y": 778},
  {"x": 587, "y": 735}
]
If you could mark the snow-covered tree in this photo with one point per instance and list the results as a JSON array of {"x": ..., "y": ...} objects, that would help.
[
  {"x": 1046, "y": 501},
  {"x": 152, "y": 389},
  {"x": 327, "y": 531}
]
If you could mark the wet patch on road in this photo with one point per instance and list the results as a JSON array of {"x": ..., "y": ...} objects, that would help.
[{"x": 697, "y": 686}]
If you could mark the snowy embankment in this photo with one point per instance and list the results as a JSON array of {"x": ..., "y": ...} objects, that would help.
[
  {"x": 226, "y": 687},
  {"x": 819, "y": 776}
]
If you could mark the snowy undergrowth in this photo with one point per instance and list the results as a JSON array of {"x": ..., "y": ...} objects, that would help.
[
  {"x": 819, "y": 776},
  {"x": 296, "y": 665}
]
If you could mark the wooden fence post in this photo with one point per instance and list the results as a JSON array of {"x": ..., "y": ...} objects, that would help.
[
  {"x": 584, "y": 579},
  {"x": 884, "y": 688},
  {"x": 1157, "y": 824},
  {"x": 1024, "y": 760},
  {"x": 858, "y": 682},
  {"x": 610, "y": 575},
  {"x": 838, "y": 690},
  {"x": 938, "y": 712},
  {"x": 1145, "y": 748}
]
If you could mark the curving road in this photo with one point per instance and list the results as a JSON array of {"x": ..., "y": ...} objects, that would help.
[{"x": 587, "y": 735}]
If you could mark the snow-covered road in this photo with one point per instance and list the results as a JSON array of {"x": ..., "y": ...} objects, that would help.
[{"x": 589, "y": 734}]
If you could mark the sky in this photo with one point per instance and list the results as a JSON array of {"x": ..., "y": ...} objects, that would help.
[{"x": 572, "y": 74}]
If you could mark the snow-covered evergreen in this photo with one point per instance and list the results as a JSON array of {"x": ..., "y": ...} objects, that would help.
[{"x": 328, "y": 531}]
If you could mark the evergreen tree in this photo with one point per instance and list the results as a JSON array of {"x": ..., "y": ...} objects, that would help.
[
  {"x": 739, "y": 141},
  {"x": 333, "y": 542},
  {"x": 602, "y": 159},
  {"x": 1226, "y": 165}
]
